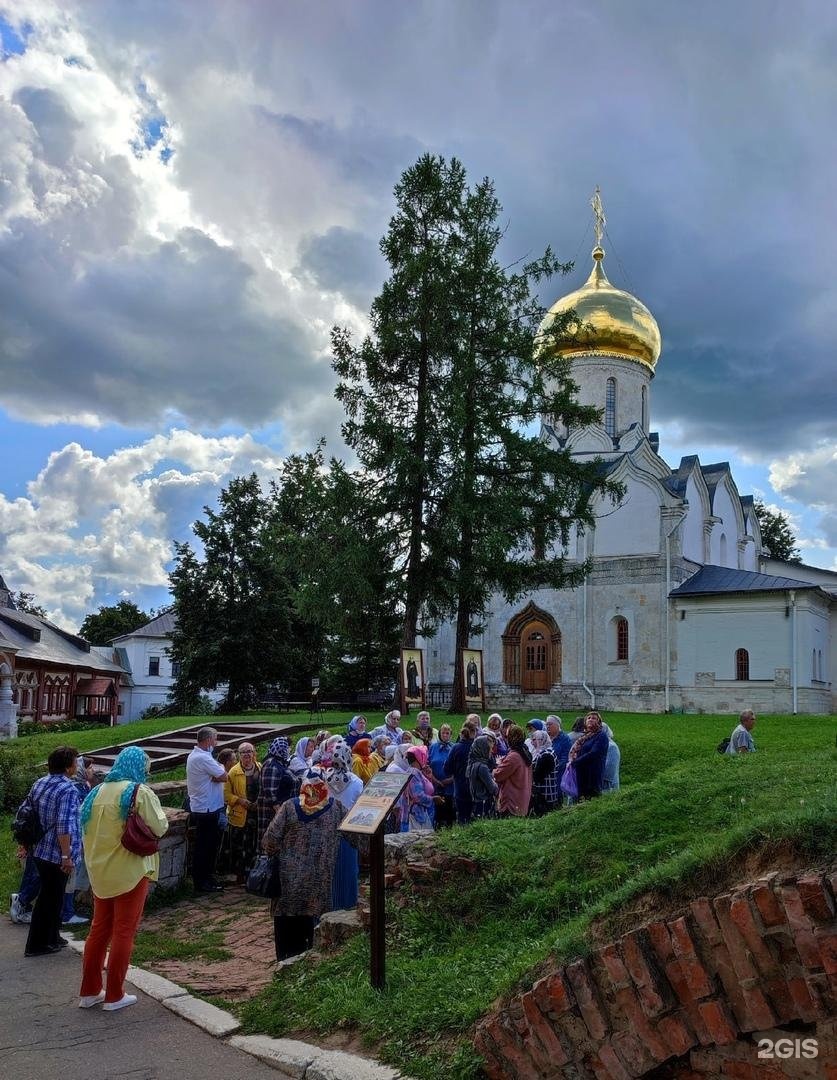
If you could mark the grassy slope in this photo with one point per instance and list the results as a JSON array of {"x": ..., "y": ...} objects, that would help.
[{"x": 684, "y": 812}]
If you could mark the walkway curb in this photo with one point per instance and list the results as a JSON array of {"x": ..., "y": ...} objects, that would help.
[
  {"x": 302, "y": 1061},
  {"x": 291, "y": 1058}
]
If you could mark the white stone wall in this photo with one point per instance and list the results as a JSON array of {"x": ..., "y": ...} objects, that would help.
[
  {"x": 591, "y": 373},
  {"x": 634, "y": 527}
]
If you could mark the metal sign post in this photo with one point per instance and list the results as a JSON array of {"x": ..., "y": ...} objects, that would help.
[{"x": 367, "y": 818}]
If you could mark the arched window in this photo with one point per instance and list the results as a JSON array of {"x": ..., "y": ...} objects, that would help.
[
  {"x": 742, "y": 665},
  {"x": 819, "y": 665},
  {"x": 610, "y": 407},
  {"x": 645, "y": 408},
  {"x": 723, "y": 549},
  {"x": 620, "y": 629},
  {"x": 814, "y": 672}
]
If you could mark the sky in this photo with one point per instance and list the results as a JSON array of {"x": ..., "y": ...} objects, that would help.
[{"x": 192, "y": 194}]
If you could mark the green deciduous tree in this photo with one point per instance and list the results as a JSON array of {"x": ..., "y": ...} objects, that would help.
[
  {"x": 440, "y": 402},
  {"x": 112, "y": 621},
  {"x": 776, "y": 534},
  {"x": 232, "y": 606}
]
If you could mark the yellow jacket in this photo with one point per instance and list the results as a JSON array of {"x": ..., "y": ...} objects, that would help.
[
  {"x": 112, "y": 868},
  {"x": 235, "y": 788}
]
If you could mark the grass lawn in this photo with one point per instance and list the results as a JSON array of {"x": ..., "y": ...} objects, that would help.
[{"x": 684, "y": 820}]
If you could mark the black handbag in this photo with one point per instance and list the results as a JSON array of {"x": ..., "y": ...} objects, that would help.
[{"x": 263, "y": 879}]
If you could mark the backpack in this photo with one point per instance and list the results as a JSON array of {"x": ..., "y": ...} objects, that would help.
[
  {"x": 26, "y": 825},
  {"x": 723, "y": 745}
]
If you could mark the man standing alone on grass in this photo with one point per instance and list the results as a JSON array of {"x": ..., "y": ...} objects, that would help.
[
  {"x": 741, "y": 741},
  {"x": 205, "y": 779}
]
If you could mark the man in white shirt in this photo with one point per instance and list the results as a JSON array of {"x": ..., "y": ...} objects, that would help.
[
  {"x": 205, "y": 785},
  {"x": 741, "y": 741}
]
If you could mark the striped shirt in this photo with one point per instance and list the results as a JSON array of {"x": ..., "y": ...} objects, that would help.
[{"x": 58, "y": 805}]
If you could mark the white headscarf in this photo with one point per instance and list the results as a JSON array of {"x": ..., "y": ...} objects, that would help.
[{"x": 299, "y": 762}]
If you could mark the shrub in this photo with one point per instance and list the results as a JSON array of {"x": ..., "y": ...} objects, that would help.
[
  {"x": 19, "y": 769},
  {"x": 32, "y": 727}
]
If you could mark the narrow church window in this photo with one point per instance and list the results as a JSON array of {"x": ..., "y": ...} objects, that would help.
[
  {"x": 645, "y": 408},
  {"x": 814, "y": 673},
  {"x": 723, "y": 547},
  {"x": 742, "y": 665},
  {"x": 610, "y": 407},
  {"x": 819, "y": 665},
  {"x": 621, "y": 638},
  {"x": 154, "y": 665}
]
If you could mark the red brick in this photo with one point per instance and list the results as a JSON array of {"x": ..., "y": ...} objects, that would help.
[
  {"x": 676, "y": 1033},
  {"x": 660, "y": 940},
  {"x": 719, "y": 1022},
  {"x": 742, "y": 915},
  {"x": 801, "y": 926},
  {"x": 542, "y": 1035},
  {"x": 736, "y": 946},
  {"x": 707, "y": 923},
  {"x": 827, "y": 947},
  {"x": 512, "y": 1050},
  {"x": 608, "y": 1059},
  {"x": 632, "y": 1053},
  {"x": 768, "y": 905},
  {"x": 552, "y": 995},
  {"x": 690, "y": 964},
  {"x": 587, "y": 997},
  {"x": 805, "y": 1006},
  {"x": 494, "y": 1064},
  {"x": 816, "y": 898},
  {"x": 654, "y": 991},
  {"x": 616, "y": 970}
]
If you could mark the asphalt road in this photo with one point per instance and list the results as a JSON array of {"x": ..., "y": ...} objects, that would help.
[{"x": 45, "y": 1036}]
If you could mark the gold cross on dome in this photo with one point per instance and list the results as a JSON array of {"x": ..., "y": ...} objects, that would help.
[{"x": 598, "y": 214}]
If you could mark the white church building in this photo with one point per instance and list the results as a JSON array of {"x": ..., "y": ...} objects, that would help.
[{"x": 683, "y": 609}]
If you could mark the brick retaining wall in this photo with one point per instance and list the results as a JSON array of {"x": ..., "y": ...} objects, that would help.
[{"x": 693, "y": 988}]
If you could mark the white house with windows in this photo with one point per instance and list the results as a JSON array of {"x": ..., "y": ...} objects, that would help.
[
  {"x": 150, "y": 671},
  {"x": 682, "y": 609}
]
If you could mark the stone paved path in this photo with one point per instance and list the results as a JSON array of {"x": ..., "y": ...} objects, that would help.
[
  {"x": 246, "y": 930},
  {"x": 45, "y": 1036}
]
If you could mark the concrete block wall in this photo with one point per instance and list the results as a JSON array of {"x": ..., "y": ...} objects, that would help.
[{"x": 686, "y": 991}]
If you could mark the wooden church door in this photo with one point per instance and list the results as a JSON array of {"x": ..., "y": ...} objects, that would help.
[{"x": 535, "y": 649}]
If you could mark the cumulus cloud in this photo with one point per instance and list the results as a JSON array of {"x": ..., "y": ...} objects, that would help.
[
  {"x": 92, "y": 528},
  {"x": 810, "y": 478}
]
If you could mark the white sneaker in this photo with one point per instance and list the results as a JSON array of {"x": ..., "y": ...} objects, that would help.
[
  {"x": 124, "y": 1002},
  {"x": 90, "y": 1000},
  {"x": 76, "y": 920},
  {"x": 25, "y": 917}
]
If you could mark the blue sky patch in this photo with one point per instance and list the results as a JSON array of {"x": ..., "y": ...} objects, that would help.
[{"x": 12, "y": 40}]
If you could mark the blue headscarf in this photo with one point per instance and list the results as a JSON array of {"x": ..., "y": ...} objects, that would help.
[{"x": 131, "y": 764}]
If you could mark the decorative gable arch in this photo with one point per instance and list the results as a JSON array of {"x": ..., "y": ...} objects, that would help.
[{"x": 532, "y": 650}]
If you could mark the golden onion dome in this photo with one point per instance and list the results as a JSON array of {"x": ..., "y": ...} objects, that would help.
[{"x": 612, "y": 322}]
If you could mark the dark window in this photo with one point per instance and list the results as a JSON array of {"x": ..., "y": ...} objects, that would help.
[
  {"x": 154, "y": 665},
  {"x": 621, "y": 638},
  {"x": 175, "y": 668},
  {"x": 742, "y": 665},
  {"x": 610, "y": 407}
]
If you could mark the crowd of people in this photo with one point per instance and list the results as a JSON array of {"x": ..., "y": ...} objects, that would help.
[{"x": 292, "y": 804}]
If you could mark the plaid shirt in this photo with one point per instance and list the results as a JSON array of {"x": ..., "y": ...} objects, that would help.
[{"x": 56, "y": 798}]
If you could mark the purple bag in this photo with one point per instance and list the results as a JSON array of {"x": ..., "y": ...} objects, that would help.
[{"x": 569, "y": 783}]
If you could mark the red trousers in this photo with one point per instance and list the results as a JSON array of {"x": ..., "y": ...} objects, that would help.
[{"x": 115, "y": 923}]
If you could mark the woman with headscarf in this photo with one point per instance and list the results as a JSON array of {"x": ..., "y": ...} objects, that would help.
[
  {"x": 304, "y": 832},
  {"x": 118, "y": 878},
  {"x": 356, "y": 730},
  {"x": 424, "y": 732},
  {"x": 419, "y": 799},
  {"x": 480, "y": 781},
  {"x": 364, "y": 763},
  {"x": 546, "y": 793},
  {"x": 514, "y": 776},
  {"x": 345, "y": 787},
  {"x": 300, "y": 763},
  {"x": 277, "y": 783},
  {"x": 589, "y": 753}
]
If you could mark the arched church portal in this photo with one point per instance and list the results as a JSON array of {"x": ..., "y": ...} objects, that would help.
[{"x": 532, "y": 651}]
